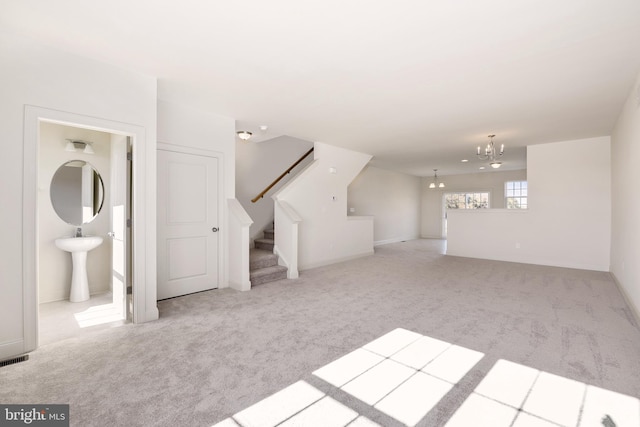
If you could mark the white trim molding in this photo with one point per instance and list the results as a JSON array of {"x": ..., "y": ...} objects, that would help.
[{"x": 143, "y": 213}]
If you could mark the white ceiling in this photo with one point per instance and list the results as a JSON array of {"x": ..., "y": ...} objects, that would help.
[{"x": 416, "y": 83}]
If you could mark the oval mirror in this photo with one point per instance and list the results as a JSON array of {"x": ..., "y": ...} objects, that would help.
[{"x": 77, "y": 192}]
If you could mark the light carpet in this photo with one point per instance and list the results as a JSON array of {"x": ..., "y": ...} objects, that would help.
[{"x": 215, "y": 353}]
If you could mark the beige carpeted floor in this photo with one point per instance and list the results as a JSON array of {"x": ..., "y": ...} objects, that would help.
[{"x": 215, "y": 353}]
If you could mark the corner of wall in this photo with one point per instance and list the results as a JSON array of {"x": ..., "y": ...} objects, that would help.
[
  {"x": 625, "y": 210},
  {"x": 318, "y": 195},
  {"x": 634, "y": 309}
]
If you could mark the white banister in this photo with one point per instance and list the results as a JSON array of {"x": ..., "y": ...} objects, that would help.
[
  {"x": 238, "y": 234},
  {"x": 286, "y": 237}
]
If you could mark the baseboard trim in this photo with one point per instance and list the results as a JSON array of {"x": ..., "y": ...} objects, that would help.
[
  {"x": 13, "y": 349},
  {"x": 394, "y": 240},
  {"x": 242, "y": 287},
  {"x": 527, "y": 260},
  {"x": 335, "y": 261},
  {"x": 634, "y": 310}
]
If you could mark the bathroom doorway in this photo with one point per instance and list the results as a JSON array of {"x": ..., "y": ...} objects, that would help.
[
  {"x": 84, "y": 181},
  {"x": 142, "y": 243}
]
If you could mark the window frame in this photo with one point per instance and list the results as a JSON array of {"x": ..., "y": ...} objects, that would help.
[
  {"x": 513, "y": 196},
  {"x": 466, "y": 193}
]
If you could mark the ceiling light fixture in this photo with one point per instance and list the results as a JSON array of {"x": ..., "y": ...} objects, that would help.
[
  {"x": 435, "y": 182},
  {"x": 244, "y": 135},
  {"x": 491, "y": 153}
]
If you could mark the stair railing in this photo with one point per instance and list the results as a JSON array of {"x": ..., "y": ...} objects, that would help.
[{"x": 270, "y": 186}]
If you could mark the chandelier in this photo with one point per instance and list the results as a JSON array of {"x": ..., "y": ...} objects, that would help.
[
  {"x": 435, "y": 182},
  {"x": 491, "y": 153}
]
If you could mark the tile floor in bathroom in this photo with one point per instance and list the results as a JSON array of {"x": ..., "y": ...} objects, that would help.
[{"x": 60, "y": 320}]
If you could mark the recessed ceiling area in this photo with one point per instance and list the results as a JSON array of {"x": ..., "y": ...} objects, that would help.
[{"x": 419, "y": 85}]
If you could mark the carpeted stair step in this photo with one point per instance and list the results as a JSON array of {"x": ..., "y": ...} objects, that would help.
[
  {"x": 266, "y": 244},
  {"x": 260, "y": 258},
  {"x": 267, "y": 274},
  {"x": 263, "y": 263},
  {"x": 269, "y": 234}
]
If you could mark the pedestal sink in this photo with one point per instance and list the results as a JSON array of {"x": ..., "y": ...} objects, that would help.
[{"x": 79, "y": 246}]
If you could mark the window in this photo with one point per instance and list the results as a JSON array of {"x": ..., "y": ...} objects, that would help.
[
  {"x": 515, "y": 193},
  {"x": 462, "y": 200}
]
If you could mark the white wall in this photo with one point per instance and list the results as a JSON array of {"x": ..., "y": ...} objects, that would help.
[
  {"x": 34, "y": 75},
  {"x": 183, "y": 125},
  {"x": 432, "y": 203},
  {"x": 193, "y": 129},
  {"x": 625, "y": 236},
  {"x": 258, "y": 165},
  {"x": 568, "y": 223},
  {"x": 326, "y": 234},
  {"x": 392, "y": 198},
  {"x": 55, "y": 265}
]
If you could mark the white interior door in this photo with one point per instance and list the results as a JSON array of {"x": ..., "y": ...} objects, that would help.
[
  {"x": 188, "y": 211},
  {"x": 119, "y": 216}
]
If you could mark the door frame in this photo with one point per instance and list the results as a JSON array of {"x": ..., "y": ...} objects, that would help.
[
  {"x": 222, "y": 220},
  {"x": 143, "y": 218},
  {"x": 120, "y": 159},
  {"x": 443, "y": 216}
]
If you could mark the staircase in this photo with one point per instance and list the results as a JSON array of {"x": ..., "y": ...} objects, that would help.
[{"x": 263, "y": 263}]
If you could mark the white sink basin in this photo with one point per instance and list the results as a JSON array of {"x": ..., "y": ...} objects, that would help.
[
  {"x": 75, "y": 244},
  {"x": 78, "y": 246}
]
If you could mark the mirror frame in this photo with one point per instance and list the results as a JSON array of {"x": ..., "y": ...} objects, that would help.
[{"x": 54, "y": 195}]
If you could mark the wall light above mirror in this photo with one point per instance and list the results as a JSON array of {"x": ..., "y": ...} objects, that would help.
[{"x": 75, "y": 145}]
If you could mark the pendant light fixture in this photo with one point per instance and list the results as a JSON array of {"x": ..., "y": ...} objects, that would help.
[{"x": 435, "y": 182}]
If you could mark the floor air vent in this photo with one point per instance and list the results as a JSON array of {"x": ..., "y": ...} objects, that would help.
[{"x": 14, "y": 360}]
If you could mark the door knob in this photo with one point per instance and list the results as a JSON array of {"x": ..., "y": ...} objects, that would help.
[
  {"x": 111, "y": 234},
  {"x": 215, "y": 229}
]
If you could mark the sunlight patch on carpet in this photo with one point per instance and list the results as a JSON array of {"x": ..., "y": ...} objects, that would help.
[
  {"x": 300, "y": 404},
  {"x": 404, "y": 375},
  {"x": 519, "y": 396}
]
